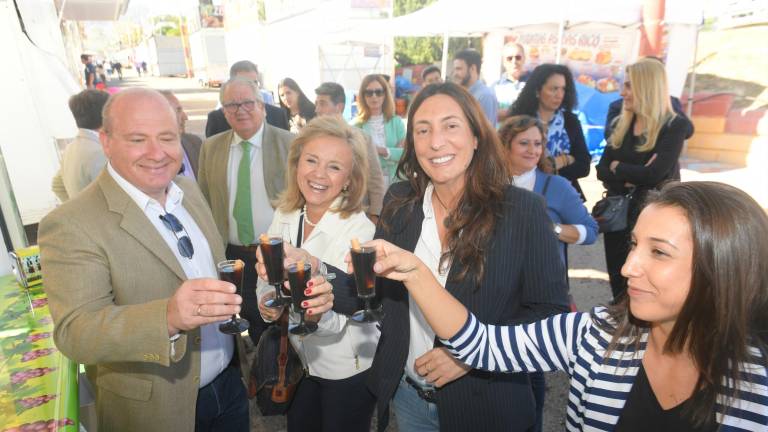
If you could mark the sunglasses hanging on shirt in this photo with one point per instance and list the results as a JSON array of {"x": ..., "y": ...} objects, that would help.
[{"x": 184, "y": 243}]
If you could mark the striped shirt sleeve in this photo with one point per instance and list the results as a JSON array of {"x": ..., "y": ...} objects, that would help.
[{"x": 542, "y": 346}]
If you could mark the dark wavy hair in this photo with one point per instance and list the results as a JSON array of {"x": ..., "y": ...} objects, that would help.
[
  {"x": 306, "y": 107},
  {"x": 528, "y": 101},
  {"x": 470, "y": 225},
  {"x": 725, "y": 310}
]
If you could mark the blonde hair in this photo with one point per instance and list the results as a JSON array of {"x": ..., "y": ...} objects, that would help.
[
  {"x": 650, "y": 96},
  {"x": 388, "y": 108},
  {"x": 328, "y": 126}
]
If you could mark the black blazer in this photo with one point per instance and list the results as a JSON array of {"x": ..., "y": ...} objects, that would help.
[
  {"x": 524, "y": 281},
  {"x": 217, "y": 123},
  {"x": 580, "y": 167}
]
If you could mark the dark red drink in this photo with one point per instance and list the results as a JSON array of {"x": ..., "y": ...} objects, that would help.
[
  {"x": 298, "y": 278},
  {"x": 363, "y": 260},
  {"x": 232, "y": 272},
  {"x": 272, "y": 253}
]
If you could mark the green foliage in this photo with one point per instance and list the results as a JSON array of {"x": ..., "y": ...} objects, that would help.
[{"x": 425, "y": 50}]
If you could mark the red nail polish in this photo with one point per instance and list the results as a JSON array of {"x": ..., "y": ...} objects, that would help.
[
  {"x": 310, "y": 284},
  {"x": 308, "y": 291},
  {"x": 309, "y": 312},
  {"x": 304, "y": 304}
]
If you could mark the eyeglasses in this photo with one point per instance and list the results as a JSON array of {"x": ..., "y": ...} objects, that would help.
[
  {"x": 517, "y": 57},
  {"x": 375, "y": 92},
  {"x": 184, "y": 243},
  {"x": 232, "y": 107}
]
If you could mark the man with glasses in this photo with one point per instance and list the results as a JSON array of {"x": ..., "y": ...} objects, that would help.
[
  {"x": 217, "y": 122},
  {"x": 512, "y": 81},
  {"x": 241, "y": 173},
  {"x": 130, "y": 273}
]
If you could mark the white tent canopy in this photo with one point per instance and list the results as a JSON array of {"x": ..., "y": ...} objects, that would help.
[{"x": 459, "y": 17}]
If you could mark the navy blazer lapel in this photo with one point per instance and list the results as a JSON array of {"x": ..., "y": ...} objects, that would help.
[{"x": 135, "y": 223}]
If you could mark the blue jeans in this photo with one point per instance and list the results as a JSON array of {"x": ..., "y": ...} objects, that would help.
[
  {"x": 222, "y": 405},
  {"x": 414, "y": 414}
]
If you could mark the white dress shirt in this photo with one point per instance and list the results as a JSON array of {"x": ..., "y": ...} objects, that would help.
[
  {"x": 261, "y": 208},
  {"x": 428, "y": 250},
  {"x": 340, "y": 348},
  {"x": 216, "y": 348}
]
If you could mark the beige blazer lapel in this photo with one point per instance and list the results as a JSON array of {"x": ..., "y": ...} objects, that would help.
[
  {"x": 274, "y": 169},
  {"x": 135, "y": 222}
]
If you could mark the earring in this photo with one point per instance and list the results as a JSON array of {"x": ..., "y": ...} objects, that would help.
[{"x": 345, "y": 189}]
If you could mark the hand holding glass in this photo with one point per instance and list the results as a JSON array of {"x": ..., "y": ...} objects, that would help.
[{"x": 298, "y": 276}]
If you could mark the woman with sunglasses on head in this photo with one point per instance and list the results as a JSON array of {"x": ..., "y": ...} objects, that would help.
[
  {"x": 686, "y": 350},
  {"x": 550, "y": 95},
  {"x": 642, "y": 153},
  {"x": 376, "y": 117},
  {"x": 524, "y": 140},
  {"x": 298, "y": 108},
  {"x": 486, "y": 241}
]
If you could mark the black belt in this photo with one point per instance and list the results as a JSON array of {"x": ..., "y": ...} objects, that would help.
[{"x": 427, "y": 395}]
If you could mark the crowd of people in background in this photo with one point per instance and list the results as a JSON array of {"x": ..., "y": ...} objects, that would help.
[{"x": 470, "y": 204}]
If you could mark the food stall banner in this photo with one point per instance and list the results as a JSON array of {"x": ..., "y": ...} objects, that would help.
[
  {"x": 38, "y": 385},
  {"x": 596, "y": 54}
]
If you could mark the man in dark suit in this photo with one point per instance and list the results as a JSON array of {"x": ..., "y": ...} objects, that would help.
[
  {"x": 217, "y": 122},
  {"x": 189, "y": 142},
  {"x": 242, "y": 172}
]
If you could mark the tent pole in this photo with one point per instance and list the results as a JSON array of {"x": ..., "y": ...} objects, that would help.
[
  {"x": 444, "y": 62},
  {"x": 560, "y": 33},
  {"x": 692, "y": 86}
]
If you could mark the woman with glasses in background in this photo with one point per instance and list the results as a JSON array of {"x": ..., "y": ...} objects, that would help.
[{"x": 377, "y": 118}]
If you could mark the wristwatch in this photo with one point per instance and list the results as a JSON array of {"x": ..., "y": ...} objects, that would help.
[{"x": 558, "y": 229}]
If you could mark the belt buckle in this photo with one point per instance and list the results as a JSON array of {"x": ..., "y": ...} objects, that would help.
[{"x": 427, "y": 395}]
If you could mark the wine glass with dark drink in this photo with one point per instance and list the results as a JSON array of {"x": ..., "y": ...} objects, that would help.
[
  {"x": 363, "y": 259},
  {"x": 232, "y": 271},
  {"x": 273, "y": 255},
  {"x": 298, "y": 276}
]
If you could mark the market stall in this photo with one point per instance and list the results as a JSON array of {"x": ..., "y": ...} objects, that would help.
[{"x": 38, "y": 385}]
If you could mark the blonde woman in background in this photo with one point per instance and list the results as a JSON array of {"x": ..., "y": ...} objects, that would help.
[{"x": 642, "y": 152}]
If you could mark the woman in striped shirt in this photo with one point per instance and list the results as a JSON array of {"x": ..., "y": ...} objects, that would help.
[{"x": 661, "y": 358}]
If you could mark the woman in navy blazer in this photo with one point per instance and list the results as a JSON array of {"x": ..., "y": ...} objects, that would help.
[{"x": 488, "y": 243}]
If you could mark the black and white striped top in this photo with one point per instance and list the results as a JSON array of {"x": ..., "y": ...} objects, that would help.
[{"x": 599, "y": 386}]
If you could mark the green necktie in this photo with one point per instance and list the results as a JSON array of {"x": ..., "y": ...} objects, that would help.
[{"x": 242, "y": 211}]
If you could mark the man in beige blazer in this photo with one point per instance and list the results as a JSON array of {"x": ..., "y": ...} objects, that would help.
[
  {"x": 223, "y": 162},
  {"x": 136, "y": 299}
]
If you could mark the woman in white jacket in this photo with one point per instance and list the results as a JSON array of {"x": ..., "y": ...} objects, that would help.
[{"x": 322, "y": 209}]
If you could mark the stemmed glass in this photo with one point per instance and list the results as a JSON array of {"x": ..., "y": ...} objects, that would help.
[
  {"x": 363, "y": 259},
  {"x": 273, "y": 254},
  {"x": 232, "y": 271},
  {"x": 298, "y": 275}
]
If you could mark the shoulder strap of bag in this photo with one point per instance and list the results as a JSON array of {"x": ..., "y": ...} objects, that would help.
[
  {"x": 282, "y": 358},
  {"x": 546, "y": 185}
]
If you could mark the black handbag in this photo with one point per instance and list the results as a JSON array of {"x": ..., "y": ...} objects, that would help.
[
  {"x": 611, "y": 212},
  {"x": 276, "y": 370}
]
